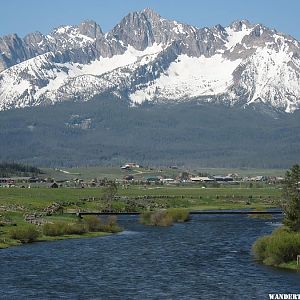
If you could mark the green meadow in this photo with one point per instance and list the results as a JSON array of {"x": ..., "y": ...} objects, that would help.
[
  {"x": 191, "y": 196},
  {"x": 16, "y": 202}
]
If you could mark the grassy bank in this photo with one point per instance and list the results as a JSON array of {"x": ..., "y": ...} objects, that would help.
[
  {"x": 292, "y": 265},
  {"x": 57, "y": 229},
  {"x": 6, "y": 243}
]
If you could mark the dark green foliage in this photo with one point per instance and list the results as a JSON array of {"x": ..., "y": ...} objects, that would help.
[
  {"x": 25, "y": 234},
  {"x": 291, "y": 203},
  {"x": 183, "y": 134},
  {"x": 281, "y": 246},
  {"x": 8, "y": 169}
]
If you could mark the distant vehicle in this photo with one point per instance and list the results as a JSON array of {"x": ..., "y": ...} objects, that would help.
[{"x": 128, "y": 166}]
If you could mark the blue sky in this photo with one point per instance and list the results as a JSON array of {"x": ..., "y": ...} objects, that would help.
[{"x": 24, "y": 16}]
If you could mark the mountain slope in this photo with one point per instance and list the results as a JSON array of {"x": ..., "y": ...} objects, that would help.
[
  {"x": 148, "y": 58},
  {"x": 106, "y": 131}
]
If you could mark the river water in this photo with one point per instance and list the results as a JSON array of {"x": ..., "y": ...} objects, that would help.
[{"x": 206, "y": 258}]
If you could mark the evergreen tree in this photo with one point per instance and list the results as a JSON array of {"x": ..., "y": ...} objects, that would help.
[{"x": 291, "y": 205}]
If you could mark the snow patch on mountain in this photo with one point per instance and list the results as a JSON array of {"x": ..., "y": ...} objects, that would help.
[
  {"x": 90, "y": 72},
  {"x": 131, "y": 55},
  {"x": 271, "y": 76},
  {"x": 70, "y": 34},
  {"x": 190, "y": 77},
  {"x": 236, "y": 37},
  {"x": 56, "y": 76}
]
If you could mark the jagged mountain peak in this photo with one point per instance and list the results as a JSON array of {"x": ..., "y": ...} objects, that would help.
[
  {"x": 139, "y": 29},
  {"x": 88, "y": 28},
  {"x": 219, "y": 27},
  {"x": 150, "y": 12},
  {"x": 251, "y": 30},
  {"x": 146, "y": 13},
  {"x": 239, "y": 25},
  {"x": 91, "y": 29}
]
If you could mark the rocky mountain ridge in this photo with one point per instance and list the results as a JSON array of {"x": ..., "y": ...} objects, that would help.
[{"x": 148, "y": 58}]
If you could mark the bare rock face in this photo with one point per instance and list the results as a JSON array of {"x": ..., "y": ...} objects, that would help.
[
  {"x": 13, "y": 50},
  {"x": 90, "y": 29},
  {"x": 143, "y": 29},
  {"x": 38, "y": 43},
  {"x": 66, "y": 40},
  {"x": 146, "y": 57}
]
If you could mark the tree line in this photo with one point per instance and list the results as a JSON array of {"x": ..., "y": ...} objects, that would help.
[{"x": 9, "y": 169}]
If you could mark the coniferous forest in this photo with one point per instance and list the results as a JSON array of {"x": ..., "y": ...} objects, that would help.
[{"x": 106, "y": 131}]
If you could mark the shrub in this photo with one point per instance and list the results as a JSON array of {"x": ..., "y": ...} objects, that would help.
[
  {"x": 62, "y": 228},
  {"x": 111, "y": 220},
  {"x": 156, "y": 218},
  {"x": 280, "y": 247},
  {"x": 25, "y": 234},
  {"x": 179, "y": 215},
  {"x": 145, "y": 217},
  {"x": 54, "y": 229},
  {"x": 164, "y": 217},
  {"x": 111, "y": 229},
  {"x": 76, "y": 228},
  {"x": 94, "y": 223},
  {"x": 161, "y": 218},
  {"x": 259, "y": 248}
]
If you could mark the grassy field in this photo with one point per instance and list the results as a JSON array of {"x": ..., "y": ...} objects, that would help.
[
  {"x": 16, "y": 202},
  {"x": 39, "y": 198}
]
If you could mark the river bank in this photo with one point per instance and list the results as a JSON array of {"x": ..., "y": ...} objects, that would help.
[
  {"x": 11, "y": 243},
  {"x": 155, "y": 218},
  {"x": 57, "y": 227}
]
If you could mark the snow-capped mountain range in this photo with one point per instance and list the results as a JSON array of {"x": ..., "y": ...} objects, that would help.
[{"x": 148, "y": 58}]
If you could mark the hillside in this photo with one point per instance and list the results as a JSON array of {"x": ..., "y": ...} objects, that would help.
[{"x": 108, "y": 131}]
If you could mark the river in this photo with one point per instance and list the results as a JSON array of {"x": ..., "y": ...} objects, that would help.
[{"x": 206, "y": 258}]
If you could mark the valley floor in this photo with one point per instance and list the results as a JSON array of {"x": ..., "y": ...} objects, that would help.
[{"x": 19, "y": 206}]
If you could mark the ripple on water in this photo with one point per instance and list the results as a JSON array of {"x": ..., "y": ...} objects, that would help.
[{"x": 208, "y": 256}]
